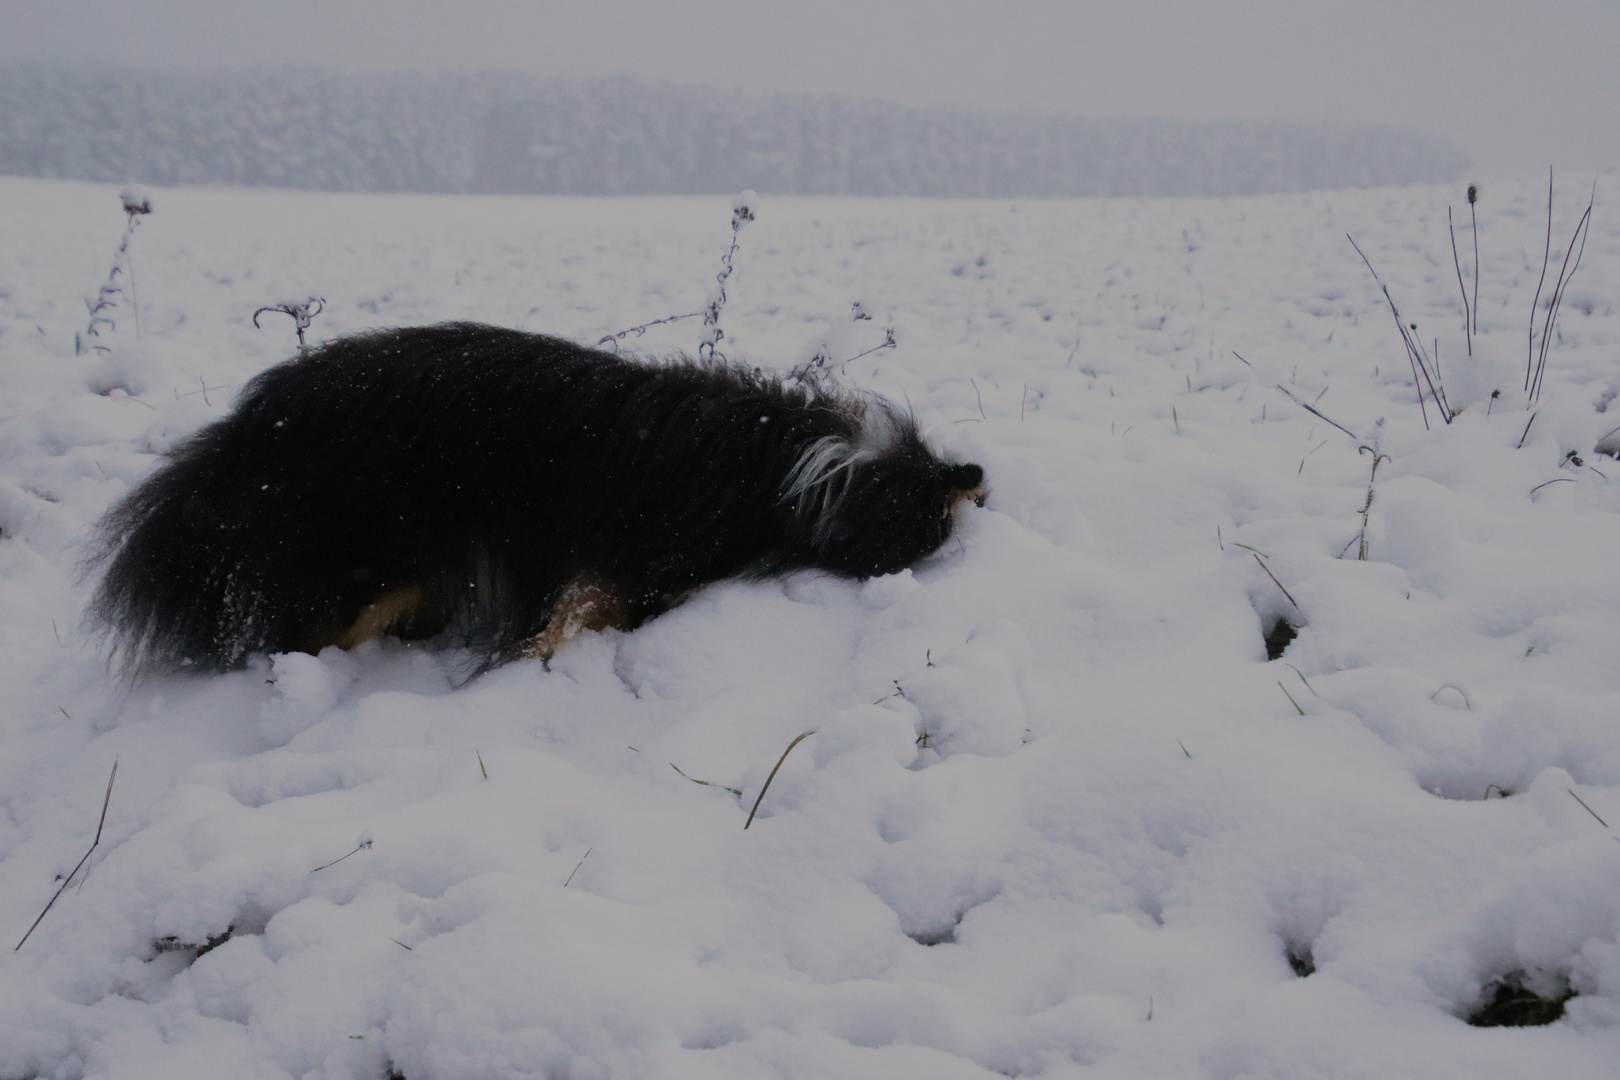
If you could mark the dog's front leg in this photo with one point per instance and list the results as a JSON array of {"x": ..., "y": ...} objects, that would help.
[{"x": 587, "y": 603}]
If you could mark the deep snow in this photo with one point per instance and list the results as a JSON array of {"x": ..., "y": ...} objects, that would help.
[{"x": 1119, "y": 826}]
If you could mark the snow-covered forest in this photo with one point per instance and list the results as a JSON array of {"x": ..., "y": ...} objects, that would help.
[{"x": 317, "y": 130}]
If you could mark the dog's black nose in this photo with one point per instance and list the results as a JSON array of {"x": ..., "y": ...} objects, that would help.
[{"x": 965, "y": 477}]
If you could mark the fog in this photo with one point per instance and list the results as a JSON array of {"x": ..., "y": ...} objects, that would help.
[{"x": 1517, "y": 86}]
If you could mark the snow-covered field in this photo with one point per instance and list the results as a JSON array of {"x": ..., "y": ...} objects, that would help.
[{"x": 1059, "y": 817}]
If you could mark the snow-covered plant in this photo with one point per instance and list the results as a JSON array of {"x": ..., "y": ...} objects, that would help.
[
  {"x": 614, "y": 339},
  {"x": 742, "y": 212},
  {"x": 818, "y": 365},
  {"x": 137, "y": 203},
  {"x": 303, "y": 312},
  {"x": 1366, "y": 507},
  {"x": 820, "y": 362},
  {"x": 1426, "y": 367}
]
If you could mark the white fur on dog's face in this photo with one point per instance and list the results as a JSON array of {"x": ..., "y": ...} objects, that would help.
[
  {"x": 819, "y": 480},
  {"x": 879, "y": 501}
]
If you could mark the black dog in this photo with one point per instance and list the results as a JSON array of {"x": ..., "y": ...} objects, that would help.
[{"x": 507, "y": 487}]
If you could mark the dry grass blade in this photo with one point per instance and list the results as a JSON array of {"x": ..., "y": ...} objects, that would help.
[
  {"x": 1546, "y": 257},
  {"x": 1290, "y": 698},
  {"x": 1467, "y": 704},
  {"x": 1565, "y": 272},
  {"x": 1560, "y": 480},
  {"x": 1307, "y": 682},
  {"x": 1279, "y": 584},
  {"x": 1473, "y": 217},
  {"x": 1468, "y": 314},
  {"x": 1526, "y": 433},
  {"x": 1316, "y": 412},
  {"x": 1415, "y": 355},
  {"x": 705, "y": 783},
  {"x": 1421, "y": 363},
  {"x": 577, "y": 865},
  {"x": 768, "y": 779},
  {"x": 1588, "y": 809},
  {"x": 362, "y": 846},
  {"x": 105, "y": 802}
]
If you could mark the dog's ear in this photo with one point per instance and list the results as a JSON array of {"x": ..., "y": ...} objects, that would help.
[{"x": 964, "y": 477}]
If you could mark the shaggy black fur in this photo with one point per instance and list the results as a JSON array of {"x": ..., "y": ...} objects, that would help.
[{"x": 462, "y": 477}]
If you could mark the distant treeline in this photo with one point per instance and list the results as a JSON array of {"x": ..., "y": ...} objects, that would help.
[{"x": 497, "y": 133}]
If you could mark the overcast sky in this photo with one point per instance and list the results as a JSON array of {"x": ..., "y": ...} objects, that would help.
[{"x": 1517, "y": 84}]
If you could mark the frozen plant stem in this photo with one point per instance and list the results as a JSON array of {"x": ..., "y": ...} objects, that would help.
[
  {"x": 821, "y": 362},
  {"x": 1565, "y": 273},
  {"x": 1469, "y": 705},
  {"x": 614, "y": 339},
  {"x": 888, "y": 343},
  {"x": 362, "y": 846},
  {"x": 105, "y": 802},
  {"x": 1559, "y": 480},
  {"x": 1546, "y": 257},
  {"x": 1473, "y": 197},
  {"x": 1468, "y": 315},
  {"x": 1415, "y": 355},
  {"x": 742, "y": 212},
  {"x": 1366, "y": 508},
  {"x": 137, "y": 204},
  {"x": 1279, "y": 584},
  {"x": 1588, "y": 809},
  {"x": 1312, "y": 409},
  {"x": 302, "y": 314}
]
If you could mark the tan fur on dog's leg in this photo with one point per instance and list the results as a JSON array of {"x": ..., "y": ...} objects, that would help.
[
  {"x": 586, "y": 604},
  {"x": 393, "y": 606}
]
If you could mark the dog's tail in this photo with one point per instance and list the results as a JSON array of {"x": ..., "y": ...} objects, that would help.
[{"x": 177, "y": 589}]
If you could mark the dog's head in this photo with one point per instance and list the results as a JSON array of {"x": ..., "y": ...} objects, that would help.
[{"x": 878, "y": 502}]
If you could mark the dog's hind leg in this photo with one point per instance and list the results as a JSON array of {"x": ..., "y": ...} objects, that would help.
[
  {"x": 396, "y": 606},
  {"x": 586, "y": 603}
]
